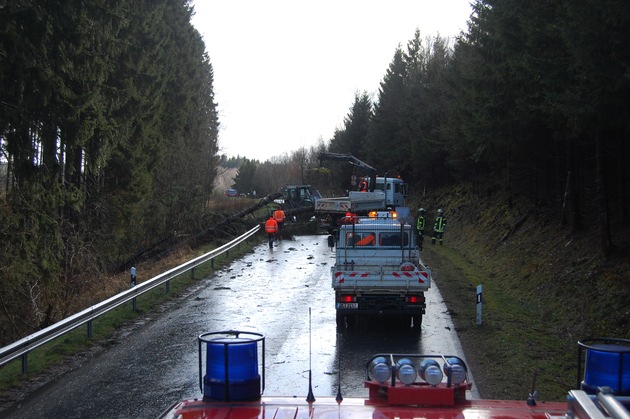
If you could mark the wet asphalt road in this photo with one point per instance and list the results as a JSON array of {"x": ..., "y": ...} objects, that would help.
[{"x": 286, "y": 295}]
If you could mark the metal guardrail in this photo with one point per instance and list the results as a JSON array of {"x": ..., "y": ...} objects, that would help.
[{"x": 23, "y": 346}]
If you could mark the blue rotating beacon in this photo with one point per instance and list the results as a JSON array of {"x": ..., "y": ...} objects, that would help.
[
  {"x": 606, "y": 364},
  {"x": 232, "y": 367}
]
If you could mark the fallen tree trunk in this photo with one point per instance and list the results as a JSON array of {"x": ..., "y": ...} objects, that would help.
[{"x": 262, "y": 203}]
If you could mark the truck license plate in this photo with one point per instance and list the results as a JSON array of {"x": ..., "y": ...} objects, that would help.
[{"x": 348, "y": 305}]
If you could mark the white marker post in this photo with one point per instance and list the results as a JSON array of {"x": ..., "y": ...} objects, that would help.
[
  {"x": 133, "y": 284},
  {"x": 479, "y": 304}
]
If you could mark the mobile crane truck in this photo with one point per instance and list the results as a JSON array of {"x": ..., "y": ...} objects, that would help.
[{"x": 383, "y": 193}]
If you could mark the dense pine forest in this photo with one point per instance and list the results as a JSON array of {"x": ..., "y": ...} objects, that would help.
[
  {"x": 109, "y": 141},
  {"x": 109, "y": 131}
]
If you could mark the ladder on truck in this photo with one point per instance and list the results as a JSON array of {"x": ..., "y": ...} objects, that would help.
[{"x": 600, "y": 406}]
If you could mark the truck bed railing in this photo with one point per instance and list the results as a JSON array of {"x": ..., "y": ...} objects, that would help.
[
  {"x": 377, "y": 260},
  {"x": 364, "y": 278},
  {"x": 393, "y": 286}
]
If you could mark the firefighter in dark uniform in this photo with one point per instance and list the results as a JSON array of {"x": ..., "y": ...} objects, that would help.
[
  {"x": 439, "y": 227},
  {"x": 420, "y": 227}
]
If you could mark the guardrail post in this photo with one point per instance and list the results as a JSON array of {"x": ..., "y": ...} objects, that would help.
[
  {"x": 168, "y": 286},
  {"x": 212, "y": 263},
  {"x": 89, "y": 328},
  {"x": 192, "y": 273},
  {"x": 24, "y": 362}
]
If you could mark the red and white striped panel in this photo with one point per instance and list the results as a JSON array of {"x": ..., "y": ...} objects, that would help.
[
  {"x": 421, "y": 275},
  {"x": 340, "y": 277}
]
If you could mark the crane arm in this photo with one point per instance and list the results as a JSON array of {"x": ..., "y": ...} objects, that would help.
[{"x": 352, "y": 160}]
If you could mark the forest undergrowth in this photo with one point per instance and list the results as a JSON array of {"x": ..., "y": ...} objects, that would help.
[{"x": 544, "y": 290}]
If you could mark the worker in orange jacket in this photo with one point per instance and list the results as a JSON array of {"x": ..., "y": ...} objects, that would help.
[
  {"x": 279, "y": 216},
  {"x": 271, "y": 228},
  {"x": 349, "y": 218},
  {"x": 363, "y": 186}
]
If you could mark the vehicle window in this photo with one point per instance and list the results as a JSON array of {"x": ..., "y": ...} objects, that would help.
[
  {"x": 393, "y": 239},
  {"x": 360, "y": 239}
]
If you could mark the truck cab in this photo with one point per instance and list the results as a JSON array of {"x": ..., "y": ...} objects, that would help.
[{"x": 395, "y": 190}]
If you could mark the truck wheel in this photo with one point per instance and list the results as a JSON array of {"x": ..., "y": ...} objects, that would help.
[
  {"x": 404, "y": 322},
  {"x": 340, "y": 320},
  {"x": 417, "y": 321}
]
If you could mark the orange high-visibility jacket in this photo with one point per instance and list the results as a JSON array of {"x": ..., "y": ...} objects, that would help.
[
  {"x": 271, "y": 226},
  {"x": 279, "y": 216},
  {"x": 368, "y": 240},
  {"x": 363, "y": 186}
]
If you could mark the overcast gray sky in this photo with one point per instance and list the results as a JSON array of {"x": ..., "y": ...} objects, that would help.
[{"x": 286, "y": 71}]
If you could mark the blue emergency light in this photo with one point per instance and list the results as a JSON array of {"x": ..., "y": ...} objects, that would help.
[
  {"x": 606, "y": 364},
  {"x": 231, "y": 365}
]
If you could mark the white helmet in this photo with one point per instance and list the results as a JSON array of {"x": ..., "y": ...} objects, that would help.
[
  {"x": 420, "y": 209},
  {"x": 440, "y": 211}
]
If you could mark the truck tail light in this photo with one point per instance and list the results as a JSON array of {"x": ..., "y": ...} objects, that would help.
[
  {"x": 347, "y": 298},
  {"x": 415, "y": 299}
]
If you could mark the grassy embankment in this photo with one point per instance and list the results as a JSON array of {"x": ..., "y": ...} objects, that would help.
[{"x": 543, "y": 291}]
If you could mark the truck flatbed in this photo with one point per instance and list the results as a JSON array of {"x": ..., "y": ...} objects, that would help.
[{"x": 354, "y": 202}]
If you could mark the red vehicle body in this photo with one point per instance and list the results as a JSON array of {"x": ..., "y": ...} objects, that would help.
[
  {"x": 360, "y": 408},
  {"x": 399, "y": 386}
]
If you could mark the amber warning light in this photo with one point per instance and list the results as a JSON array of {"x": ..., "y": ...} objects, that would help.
[{"x": 382, "y": 214}]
